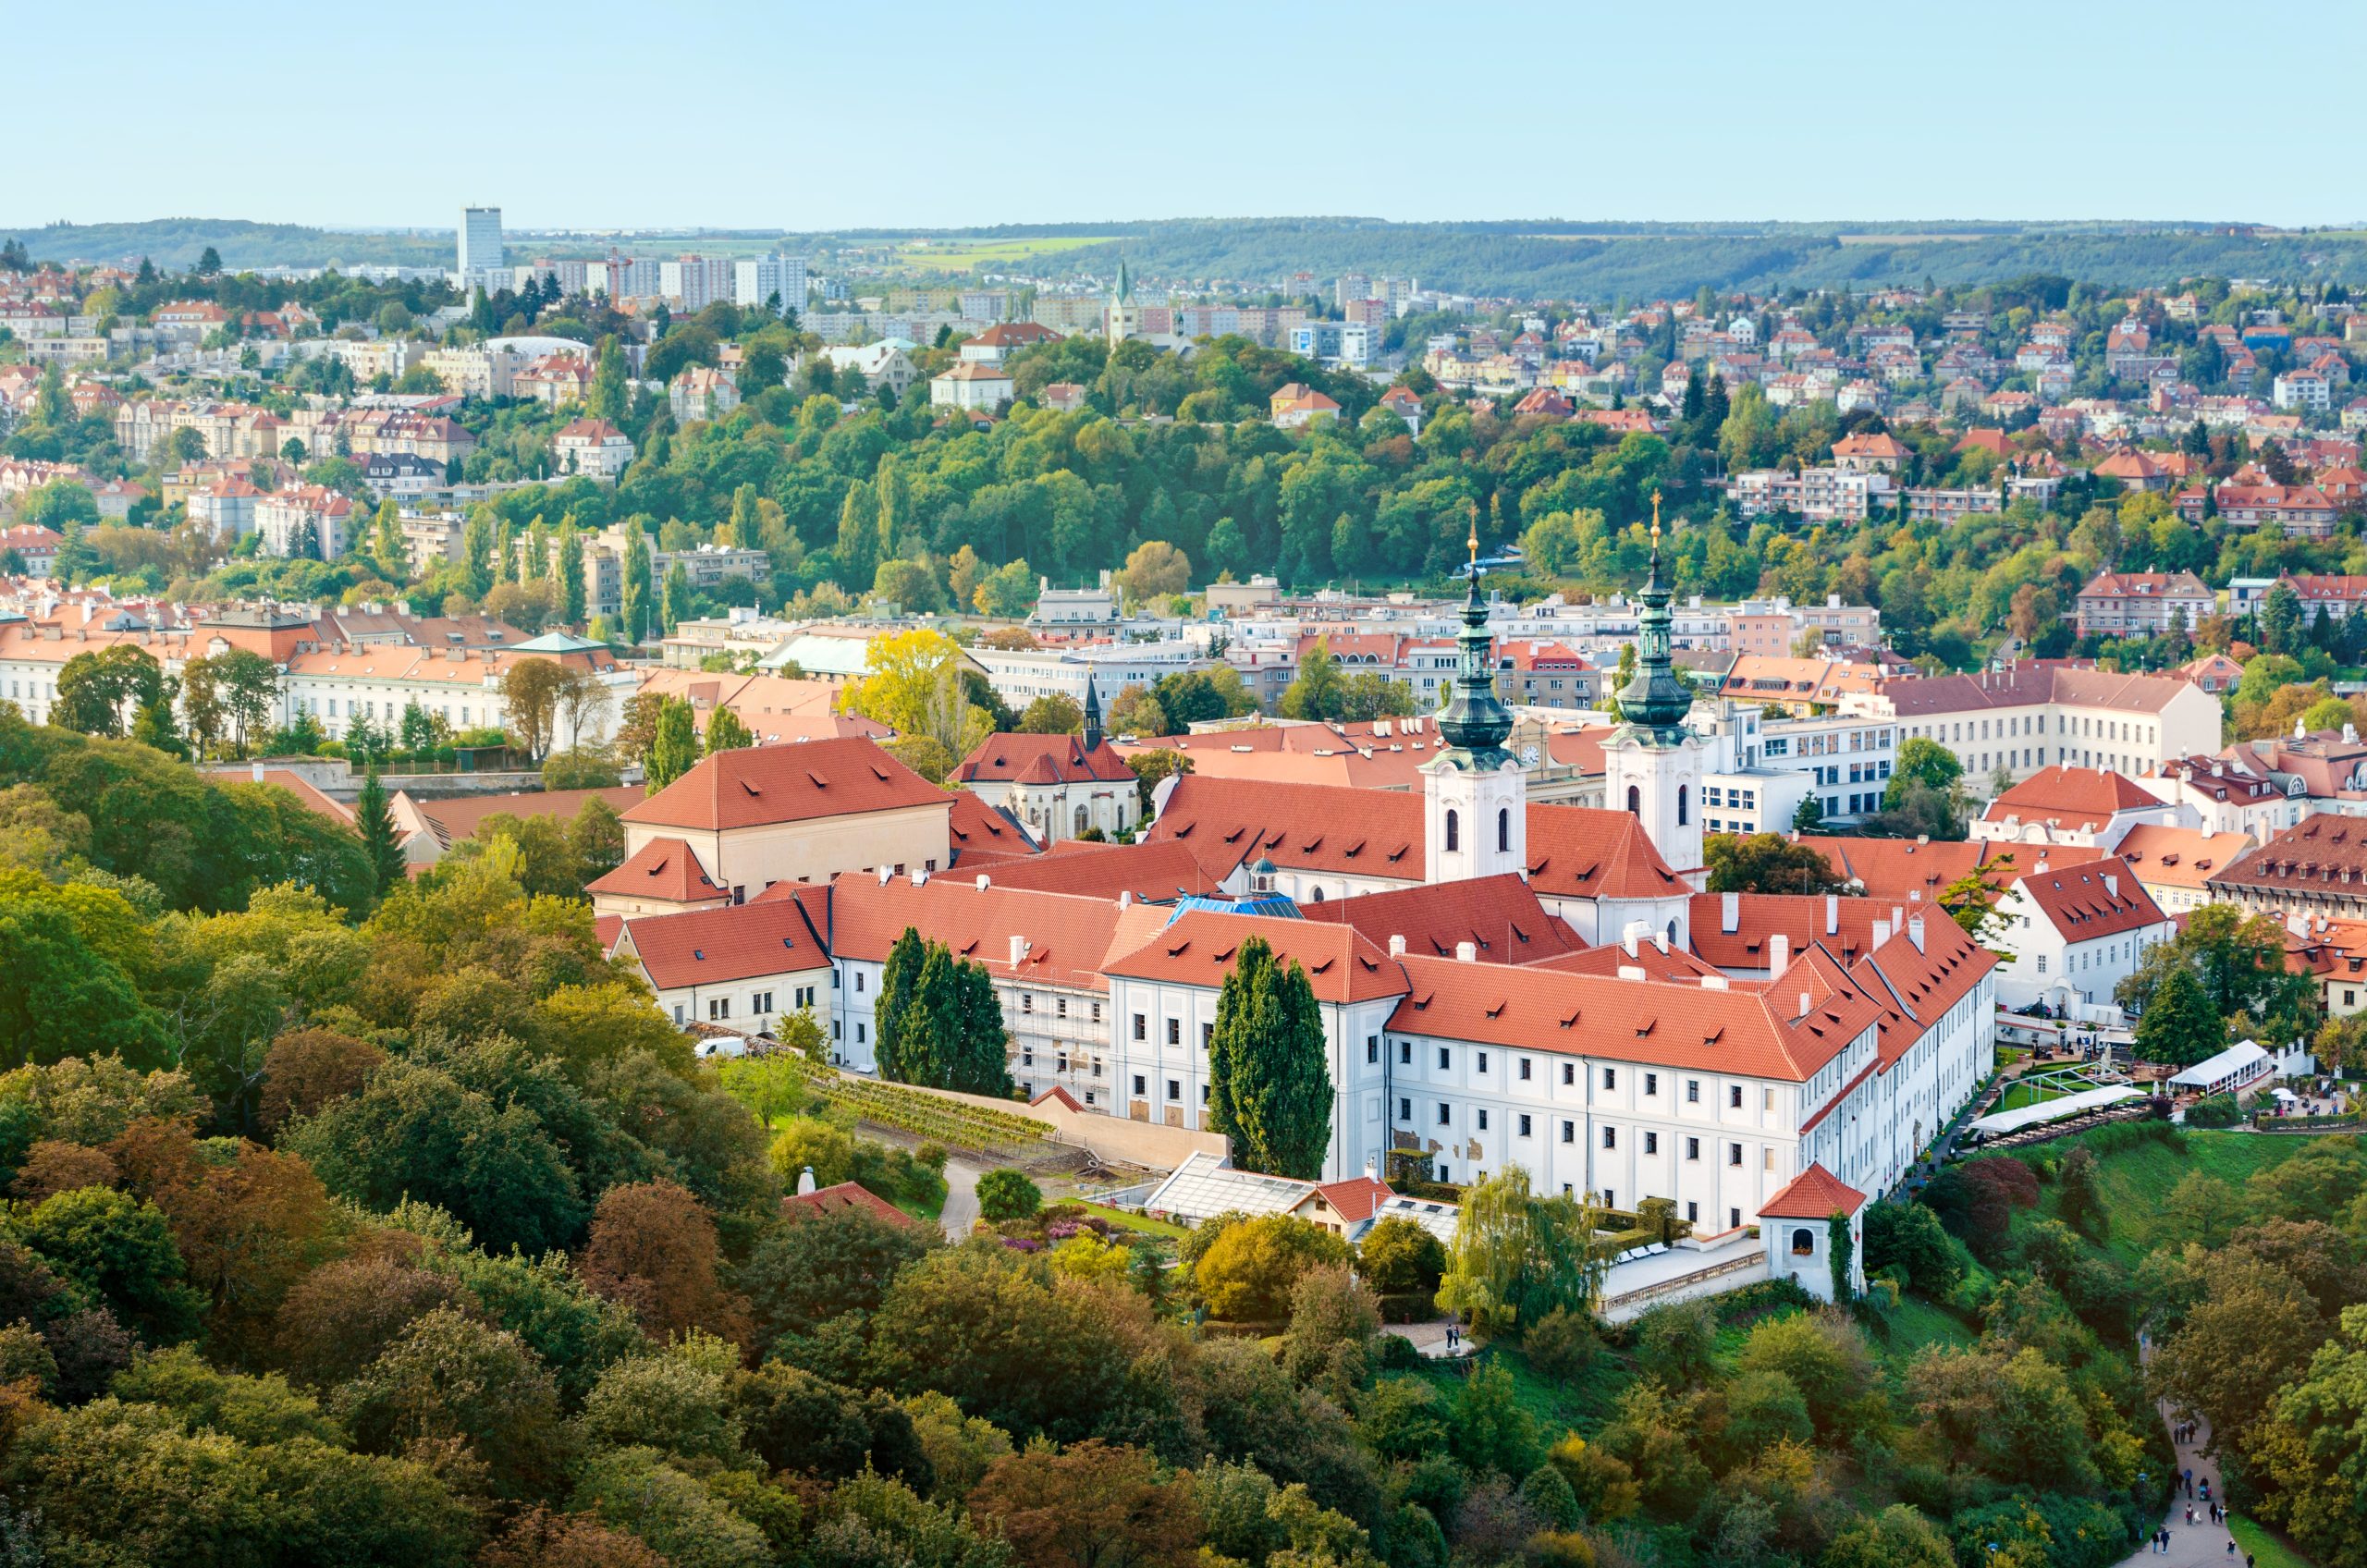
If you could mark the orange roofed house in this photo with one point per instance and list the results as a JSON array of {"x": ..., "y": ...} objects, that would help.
[{"x": 761, "y": 814}]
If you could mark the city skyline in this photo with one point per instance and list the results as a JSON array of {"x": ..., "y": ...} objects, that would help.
[{"x": 1724, "y": 124}]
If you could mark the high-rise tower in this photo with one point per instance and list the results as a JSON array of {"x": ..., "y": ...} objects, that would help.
[{"x": 480, "y": 243}]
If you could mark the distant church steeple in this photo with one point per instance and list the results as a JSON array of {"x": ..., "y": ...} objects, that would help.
[
  {"x": 1654, "y": 764},
  {"x": 1123, "y": 318},
  {"x": 1475, "y": 792},
  {"x": 1092, "y": 714}
]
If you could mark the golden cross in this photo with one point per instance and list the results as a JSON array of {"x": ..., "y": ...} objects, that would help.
[
  {"x": 1474, "y": 540},
  {"x": 1656, "y": 515}
]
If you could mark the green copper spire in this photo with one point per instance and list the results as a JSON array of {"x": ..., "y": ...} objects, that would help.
[
  {"x": 1126, "y": 286},
  {"x": 1473, "y": 720},
  {"x": 1655, "y": 700}
]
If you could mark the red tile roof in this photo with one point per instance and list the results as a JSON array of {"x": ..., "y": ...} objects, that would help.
[
  {"x": 845, "y": 1195},
  {"x": 1156, "y": 873},
  {"x": 2082, "y": 908},
  {"x": 1068, "y": 938},
  {"x": 1042, "y": 759},
  {"x": 1500, "y": 915},
  {"x": 458, "y": 818},
  {"x": 1738, "y": 1027},
  {"x": 1903, "y": 868},
  {"x": 1606, "y": 962},
  {"x": 1354, "y": 1199},
  {"x": 706, "y": 947},
  {"x": 2075, "y": 797},
  {"x": 1200, "y": 947},
  {"x": 1814, "y": 1193},
  {"x": 663, "y": 868},
  {"x": 751, "y": 786},
  {"x": 981, "y": 834}
]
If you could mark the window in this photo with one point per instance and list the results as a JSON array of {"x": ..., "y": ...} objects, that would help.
[
  {"x": 761, "y": 1003},
  {"x": 1733, "y": 1096},
  {"x": 1175, "y": 1031},
  {"x": 1505, "y": 827},
  {"x": 1692, "y": 1213},
  {"x": 1692, "y": 1091},
  {"x": 2042, "y": 963},
  {"x": 1681, "y": 817},
  {"x": 1208, "y": 1031},
  {"x": 1483, "y": 1061},
  {"x": 1061, "y": 1007},
  {"x": 1442, "y": 1058},
  {"x": 1453, "y": 831},
  {"x": 1610, "y": 1198},
  {"x": 1524, "y": 1069},
  {"x": 1139, "y": 1090},
  {"x": 1767, "y": 1099},
  {"x": 1651, "y": 1084},
  {"x": 1569, "y": 1132},
  {"x": 1693, "y": 1148},
  {"x": 1482, "y": 1123},
  {"x": 862, "y": 1033},
  {"x": 1026, "y": 1002},
  {"x": 1611, "y": 1137},
  {"x": 1444, "y": 1116},
  {"x": 1733, "y": 1154},
  {"x": 858, "y": 981},
  {"x": 1142, "y": 1027},
  {"x": 1651, "y": 1143},
  {"x": 1569, "y": 1075},
  {"x": 1766, "y": 1158},
  {"x": 718, "y": 1007},
  {"x": 1803, "y": 1242},
  {"x": 1610, "y": 1078},
  {"x": 1372, "y": 1049},
  {"x": 1097, "y": 1012},
  {"x": 1174, "y": 1090},
  {"x": 1523, "y": 1126},
  {"x": 1635, "y": 801},
  {"x": 1733, "y": 1219},
  {"x": 1405, "y": 1110},
  {"x": 1404, "y": 1053}
]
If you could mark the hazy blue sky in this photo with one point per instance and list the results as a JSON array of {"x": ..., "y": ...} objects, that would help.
[{"x": 926, "y": 114}]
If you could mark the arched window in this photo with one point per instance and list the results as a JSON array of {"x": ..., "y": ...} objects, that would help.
[
  {"x": 1453, "y": 832},
  {"x": 1318, "y": 896},
  {"x": 1635, "y": 801},
  {"x": 1803, "y": 1242},
  {"x": 1680, "y": 805},
  {"x": 1504, "y": 830},
  {"x": 1081, "y": 822}
]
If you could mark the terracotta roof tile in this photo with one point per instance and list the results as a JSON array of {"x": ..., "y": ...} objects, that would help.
[
  {"x": 706, "y": 947},
  {"x": 751, "y": 786}
]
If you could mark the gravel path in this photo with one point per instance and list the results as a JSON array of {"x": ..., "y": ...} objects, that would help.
[{"x": 961, "y": 1209}]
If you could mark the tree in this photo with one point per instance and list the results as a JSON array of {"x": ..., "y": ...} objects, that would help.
[
  {"x": 1768, "y": 862},
  {"x": 2180, "y": 1026},
  {"x": 915, "y": 688},
  {"x": 1153, "y": 571},
  {"x": 653, "y": 1247},
  {"x": 1138, "y": 712},
  {"x": 1091, "y": 1506},
  {"x": 451, "y": 1379},
  {"x": 1052, "y": 714},
  {"x": 948, "y": 1033},
  {"x": 1005, "y": 1193},
  {"x": 826, "y": 1266},
  {"x": 375, "y": 824},
  {"x": 1400, "y": 1257},
  {"x": 97, "y": 693},
  {"x": 1809, "y": 817},
  {"x": 1269, "y": 1078},
  {"x": 1924, "y": 762},
  {"x": 1519, "y": 1255},
  {"x": 2311, "y": 1447},
  {"x": 209, "y": 263},
  {"x": 635, "y": 602},
  {"x": 120, "y": 1250},
  {"x": 725, "y": 733},
  {"x": 1317, "y": 692},
  {"x": 675, "y": 609},
  {"x": 530, "y": 701},
  {"x": 1248, "y": 1271},
  {"x": 674, "y": 748}
]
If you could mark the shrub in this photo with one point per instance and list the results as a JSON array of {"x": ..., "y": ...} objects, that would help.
[
  {"x": 1563, "y": 1343},
  {"x": 1398, "y": 1355},
  {"x": 2219, "y": 1110},
  {"x": 1400, "y": 1257},
  {"x": 1676, "y": 1341},
  {"x": 1250, "y": 1271},
  {"x": 1007, "y": 1195}
]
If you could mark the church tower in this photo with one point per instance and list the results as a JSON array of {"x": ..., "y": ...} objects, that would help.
[
  {"x": 1092, "y": 714},
  {"x": 1654, "y": 762},
  {"x": 1475, "y": 792},
  {"x": 1123, "y": 317}
]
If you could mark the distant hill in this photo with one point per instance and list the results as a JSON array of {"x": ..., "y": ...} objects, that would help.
[
  {"x": 1600, "y": 262},
  {"x": 176, "y": 243}
]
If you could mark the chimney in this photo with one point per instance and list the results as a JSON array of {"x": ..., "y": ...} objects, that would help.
[
  {"x": 1779, "y": 956},
  {"x": 1729, "y": 913},
  {"x": 1125, "y": 898},
  {"x": 1880, "y": 934},
  {"x": 886, "y": 874},
  {"x": 1372, "y": 1168},
  {"x": 920, "y": 877},
  {"x": 1632, "y": 972},
  {"x": 985, "y": 881},
  {"x": 1467, "y": 953},
  {"x": 1715, "y": 982},
  {"x": 1659, "y": 940},
  {"x": 805, "y": 1182},
  {"x": 2112, "y": 886},
  {"x": 1832, "y": 913},
  {"x": 258, "y": 774},
  {"x": 1397, "y": 947},
  {"x": 1807, "y": 1002},
  {"x": 1627, "y": 938},
  {"x": 1018, "y": 948},
  {"x": 1915, "y": 932}
]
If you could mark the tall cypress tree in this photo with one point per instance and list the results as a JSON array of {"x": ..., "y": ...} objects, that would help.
[
  {"x": 374, "y": 822},
  {"x": 1269, "y": 1075},
  {"x": 673, "y": 749},
  {"x": 898, "y": 978},
  {"x": 571, "y": 572},
  {"x": 983, "y": 1063}
]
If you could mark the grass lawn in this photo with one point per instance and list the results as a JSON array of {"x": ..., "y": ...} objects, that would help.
[
  {"x": 1147, "y": 1226},
  {"x": 1916, "y": 1324},
  {"x": 931, "y": 1211},
  {"x": 2134, "y": 1181},
  {"x": 2017, "y": 1096},
  {"x": 957, "y": 254},
  {"x": 1583, "y": 1405},
  {"x": 2259, "y": 1541}
]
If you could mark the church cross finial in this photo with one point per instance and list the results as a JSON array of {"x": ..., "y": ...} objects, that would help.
[
  {"x": 1473, "y": 541},
  {"x": 1656, "y": 515}
]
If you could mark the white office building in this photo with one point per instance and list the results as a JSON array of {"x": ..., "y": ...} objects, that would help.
[
  {"x": 754, "y": 282},
  {"x": 481, "y": 245}
]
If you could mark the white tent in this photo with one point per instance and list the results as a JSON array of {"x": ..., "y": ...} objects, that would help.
[
  {"x": 1998, "y": 1124},
  {"x": 2239, "y": 1064}
]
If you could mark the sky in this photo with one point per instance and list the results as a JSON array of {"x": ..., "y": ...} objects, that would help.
[{"x": 923, "y": 114}]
